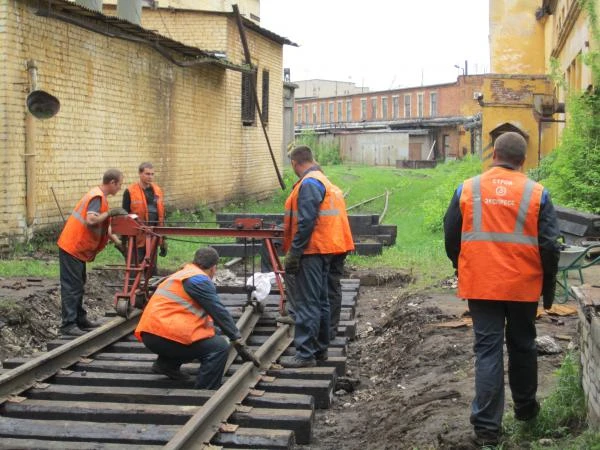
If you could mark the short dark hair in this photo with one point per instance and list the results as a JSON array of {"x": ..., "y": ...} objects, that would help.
[
  {"x": 112, "y": 175},
  {"x": 302, "y": 154},
  {"x": 511, "y": 147},
  {"x": 144, "y": 166},
  {"x": 206, "y": 257}
]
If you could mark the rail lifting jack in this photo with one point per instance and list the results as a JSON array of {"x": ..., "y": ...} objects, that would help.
[{"x": 138, "y": 288}]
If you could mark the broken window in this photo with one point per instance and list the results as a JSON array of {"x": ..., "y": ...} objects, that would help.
[
  {"x": 248, "y": 107},
  {"x": 265, "y": 96}
]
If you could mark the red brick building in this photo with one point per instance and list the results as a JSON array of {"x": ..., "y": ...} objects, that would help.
[{"x": 418, "y": 123}]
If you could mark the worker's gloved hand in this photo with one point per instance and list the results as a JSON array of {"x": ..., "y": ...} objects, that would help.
[
  {"x": 292, "y": 263},
  {"x": 117, "y": 212},
  {"x": 164, "y": 247},
  {"x": 245, "y": 353}
]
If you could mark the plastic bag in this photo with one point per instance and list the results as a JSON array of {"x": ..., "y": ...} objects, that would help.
[{"x": 263, "y": 283}]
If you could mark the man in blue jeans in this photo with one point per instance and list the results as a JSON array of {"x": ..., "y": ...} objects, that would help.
[{"x": 501, "y": 235}]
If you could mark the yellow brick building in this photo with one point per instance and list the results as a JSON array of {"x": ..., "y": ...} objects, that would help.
[
  {"x": 124, "y": 102},
  {"x": 525, "y": 36}
]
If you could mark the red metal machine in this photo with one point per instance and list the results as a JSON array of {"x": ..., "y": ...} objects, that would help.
[{"x": 136, "y": 290}]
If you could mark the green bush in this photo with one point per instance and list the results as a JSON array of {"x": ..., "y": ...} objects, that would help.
[
  {"x": 326, "y": 154},
  {"x": 456, "y": 172},
  {"x": 571, "y": 171}
]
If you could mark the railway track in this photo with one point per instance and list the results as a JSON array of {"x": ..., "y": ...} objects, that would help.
[{"x": 98, "y": 391}]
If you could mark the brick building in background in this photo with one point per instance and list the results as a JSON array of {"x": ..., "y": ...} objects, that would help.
[
  {"x": 130, "y": 95},
  {"x": 424, "y": 123}
]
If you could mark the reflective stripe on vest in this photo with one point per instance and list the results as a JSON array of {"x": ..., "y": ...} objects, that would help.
[
  {"x": 173, "y": 314},
  {"x": 331, "y": 233},
  {"x": 79, "y": 239},
  {"x": 164, "y": 292},
  {"x": 517, "y": 236}
]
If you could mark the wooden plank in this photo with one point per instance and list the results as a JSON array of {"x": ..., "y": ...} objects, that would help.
[
  {"x": 161, "y": 396},
  {"x": 321, "y": 390},
  {"x": 300, "y": 421},
  {"x": 86, "y": 431},
  {"x": 28, "y": 444},
  {"x": 256, "y": 438},
  {"x": 100, "y": 412}
]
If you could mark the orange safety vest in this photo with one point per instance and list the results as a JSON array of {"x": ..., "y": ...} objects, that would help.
[
  {"x": 499, "y": 254},
  {"x": 79, "y": 239},
  {"x": 331, "y": 234},
  {"x": 139, "y": 205},
  {"x": 172, "y": 314}
]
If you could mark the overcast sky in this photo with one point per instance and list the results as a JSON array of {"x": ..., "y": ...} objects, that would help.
[{"x": 384, "y": 44}]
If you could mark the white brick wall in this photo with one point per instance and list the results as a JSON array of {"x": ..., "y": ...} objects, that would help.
[{"x": 123, "y": 103}]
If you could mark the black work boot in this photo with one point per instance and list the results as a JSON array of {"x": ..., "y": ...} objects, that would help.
[
  {"x": 87, "y": 324},
  {"x": 322, "y": 356},
  {"x": 72, "y": 330},
  {"x": 528, "y": 412},
  {"x": 171, "y": 372},
  {"x": 293, "y": 362}
]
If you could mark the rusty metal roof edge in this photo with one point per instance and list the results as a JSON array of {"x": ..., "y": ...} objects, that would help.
[
  {"x": 137, "y": 33},
  {"x": 247, "y": 22}
]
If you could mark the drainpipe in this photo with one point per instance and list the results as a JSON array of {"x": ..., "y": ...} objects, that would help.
[{"x": 30, "y": 134}]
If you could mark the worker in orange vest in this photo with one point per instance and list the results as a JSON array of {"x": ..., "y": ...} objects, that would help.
[
  {"x": 315, "y": 228},
  {"x": 180, "y": 322},
  {"x": 501, "y": 234},
  {"x": 84, "y": 235},
  {"x": 145, "y": 198}
]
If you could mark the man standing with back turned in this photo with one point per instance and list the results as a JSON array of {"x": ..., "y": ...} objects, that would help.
[
  {"x": 315, "y": 228},
  {"x": 85, "y": 234},
  {"x": 145, "y": 198},
  {"x": 501, "y": 235}
]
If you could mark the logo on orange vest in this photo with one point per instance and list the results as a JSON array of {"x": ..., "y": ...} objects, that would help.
[{"x": 500, "y": 190}]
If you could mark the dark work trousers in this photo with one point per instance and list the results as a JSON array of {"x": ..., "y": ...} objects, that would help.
[
  {"x": 334, "y": 291},
  {"x": 212, "y": 354},
  {"x": 490, "y": 320},
  {"x": 310, "y": 307},
  {"x": 72, "y": 281}
]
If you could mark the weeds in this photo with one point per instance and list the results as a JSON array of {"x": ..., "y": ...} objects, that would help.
[{"x": 563, "y": 414}]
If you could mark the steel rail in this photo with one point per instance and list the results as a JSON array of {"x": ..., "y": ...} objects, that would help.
[
  {"x": 203, "y": 425},
  {"x": 27, "y": 375},
  {"x": 246, "y": 324}
]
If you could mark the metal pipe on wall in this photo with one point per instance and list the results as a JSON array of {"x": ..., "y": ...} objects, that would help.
[{"x": 30, "y": 166}]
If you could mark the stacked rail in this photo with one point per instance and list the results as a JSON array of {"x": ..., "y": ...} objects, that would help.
[{"x": 98, "y": 391}]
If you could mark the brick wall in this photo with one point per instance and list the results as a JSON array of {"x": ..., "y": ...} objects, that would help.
[
  {"x": 123, "y": 103},
  {"x": 589, "y": 329}
]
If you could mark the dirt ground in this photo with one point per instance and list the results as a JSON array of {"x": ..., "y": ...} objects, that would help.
[{"x": 412, "y": 359}]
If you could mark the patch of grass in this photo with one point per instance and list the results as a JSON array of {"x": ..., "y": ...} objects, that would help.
[
  {"x": 418, "y": 199},
  {"x": 563, "y": 413}
]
